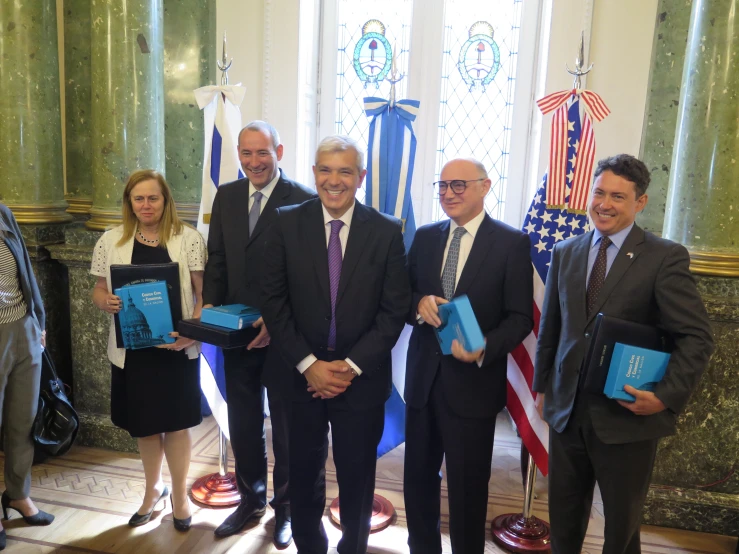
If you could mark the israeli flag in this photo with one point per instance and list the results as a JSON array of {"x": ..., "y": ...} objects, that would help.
[
  {"x": 390, "y": 158},
  {"x": 220, "y": 105}
]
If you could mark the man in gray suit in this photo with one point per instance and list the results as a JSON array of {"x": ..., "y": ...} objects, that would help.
[{"x": 622, "y": 271}]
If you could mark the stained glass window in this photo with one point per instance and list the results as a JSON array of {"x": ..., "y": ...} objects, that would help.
[
  {"x": 369, "y": 29},
  {"x": 477, "y": 89}
]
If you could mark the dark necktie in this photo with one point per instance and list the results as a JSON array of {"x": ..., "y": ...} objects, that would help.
[
  {"x": 334, "y": 275},
  {"x": 449, "y": 275},
  {"x": 597, "y": 274},
  {"x": 255, "y": 211}
]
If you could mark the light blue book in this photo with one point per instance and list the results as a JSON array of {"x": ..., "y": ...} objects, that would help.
[
  {"x": 231, "y": 316},
  {"x": 145, "y": 317},
  {"x": 458, "y": 322},
  {"x": 639, "y": 367}
]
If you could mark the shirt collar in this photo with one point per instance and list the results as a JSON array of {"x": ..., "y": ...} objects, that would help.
[
  {"x": 617, "y": 239},
  {"x": 346, "y": 218},
  {"x": 267, "y": 190},
  {"x": 472, "y": 226}
]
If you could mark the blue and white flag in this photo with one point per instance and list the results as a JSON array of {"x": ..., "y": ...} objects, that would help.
[
  {"x": 390, "y": 158},
  {"x": 220, "y": 105}
]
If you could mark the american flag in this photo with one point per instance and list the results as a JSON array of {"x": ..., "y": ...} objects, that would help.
[{"x": 546, "y": 227}]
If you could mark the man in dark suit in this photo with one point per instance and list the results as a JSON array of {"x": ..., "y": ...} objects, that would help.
[
  {"x": 622, "y": 271},
  {"x": 242, "y": 212},
  {"x": 452, "y": 401},
  {"x": 336, "y": 297}
]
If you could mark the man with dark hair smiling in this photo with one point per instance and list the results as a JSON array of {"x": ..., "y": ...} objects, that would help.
[
  {"x": 622, "y": 271},
  {"x": 336, "y": 296}
]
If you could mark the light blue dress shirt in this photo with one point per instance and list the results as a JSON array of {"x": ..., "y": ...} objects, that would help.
[{"x": 617, "y": 242}]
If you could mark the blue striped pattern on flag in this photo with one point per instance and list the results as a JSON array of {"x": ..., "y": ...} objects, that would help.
[{"x": 390, "y": 160}]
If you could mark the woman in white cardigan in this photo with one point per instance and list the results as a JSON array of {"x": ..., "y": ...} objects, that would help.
[{"x": 155, "y": 392}]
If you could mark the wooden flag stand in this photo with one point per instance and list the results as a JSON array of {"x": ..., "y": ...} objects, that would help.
[
  {"x": 382, "y": 513},
  {"x": 218, "y": 489},
  {"x": 523, "y": 532}
]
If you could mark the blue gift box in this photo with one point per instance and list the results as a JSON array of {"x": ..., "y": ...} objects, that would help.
[
  {"x": 458, "y": 322},
  {"x": 231, "y": 316}
]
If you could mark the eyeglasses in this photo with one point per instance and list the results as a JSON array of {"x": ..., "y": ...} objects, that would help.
[{"x": 458, "y": 186}]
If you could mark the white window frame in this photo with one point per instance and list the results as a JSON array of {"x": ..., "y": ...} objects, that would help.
[{"x": 426, "y": 47}]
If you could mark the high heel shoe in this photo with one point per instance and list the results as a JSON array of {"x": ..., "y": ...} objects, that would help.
[
  {"x": 138, "y": 519},
  {"x": 3, "y": 539},
  {"x": 180, "y": 524},
  {"x": 41, "y": 518}
]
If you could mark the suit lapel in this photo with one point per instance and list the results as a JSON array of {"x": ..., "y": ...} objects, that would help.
[
  {"x": 478, "y": 253},
  {"x": 359, "y": 232},
  {"x": 438, "y": 255},
  {"x": 315, "y": 235},
  {"x": 276, "y": 199},
  {"x": 621, "y": 263},
  {"x": 580, "y": 274}
]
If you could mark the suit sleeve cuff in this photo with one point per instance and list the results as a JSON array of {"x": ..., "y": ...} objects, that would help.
[
  {"x": 355, "y": 367},
  {"x": 306, "y": 362}
]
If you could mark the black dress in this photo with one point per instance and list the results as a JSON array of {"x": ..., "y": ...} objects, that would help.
[{"x": 158, "y": 390}]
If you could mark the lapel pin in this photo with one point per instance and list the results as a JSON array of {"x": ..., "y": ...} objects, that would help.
[{"x": 630, "y": 255}]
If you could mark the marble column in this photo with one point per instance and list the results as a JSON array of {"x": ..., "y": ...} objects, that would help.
[
  {"x": 663, "y": 102},
  {"x": 189, "y": 63},
  {"x": 77, "y": 67},
  {"x": 695, "y": 485},
  {"x": 127, "y": 99},
  {"x": 31, "y": 170}
]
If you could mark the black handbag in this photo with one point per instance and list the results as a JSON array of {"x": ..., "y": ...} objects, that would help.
[{"x": 57, "y": 422}]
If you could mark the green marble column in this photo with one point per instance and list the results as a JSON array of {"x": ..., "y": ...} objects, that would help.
[
  {"x": 77, "y": 81},
  {"x": 695, "y": 484},
  {"x": 189, "y": 63},
  {"x": 663, "y": 102},
  {"x": 127, "y": 99},
  {"x": 31, "y": 173}
]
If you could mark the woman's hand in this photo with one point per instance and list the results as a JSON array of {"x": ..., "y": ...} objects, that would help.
[
  {"x": 110, "y": 303},
  {"x": 180, "y": 344},
  {"x": 43, "y": 339}
]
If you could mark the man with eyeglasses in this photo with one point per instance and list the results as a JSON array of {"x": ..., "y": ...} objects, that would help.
[{"x": 452, "y": 401}]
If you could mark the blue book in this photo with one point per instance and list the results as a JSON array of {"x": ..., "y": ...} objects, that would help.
[
  {"x": 639, "y": 367},
  {"x": 231, "y": 316},
  {"x": 458, "y": 322},
  {"x": 145, "y": 316}
]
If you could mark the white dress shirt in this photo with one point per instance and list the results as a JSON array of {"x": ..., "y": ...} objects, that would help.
[
  {"x": 306, "y": 362},
  {"x": 266, "y": 191}
]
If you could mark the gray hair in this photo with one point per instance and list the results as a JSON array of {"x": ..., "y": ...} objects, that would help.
[
  {"x": 262, "y": 127},
  {"x": 480, "y": 168},
  {"x": 340, "y": 143}
]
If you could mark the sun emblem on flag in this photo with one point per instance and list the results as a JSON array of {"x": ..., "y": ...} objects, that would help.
[
  {"x": 479, "y": 57},
  {"x": 373, "y": 54}
]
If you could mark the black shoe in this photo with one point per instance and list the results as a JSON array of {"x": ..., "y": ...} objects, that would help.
[
  {"x": 236, "y": 521},
  {"x": 137, "y": 519},
  {"x": 3, "y": 539},
  {"x": 283, "y": 527},
  {"x": 180, "y": 524},
  {"x": 41, "y": 518}
]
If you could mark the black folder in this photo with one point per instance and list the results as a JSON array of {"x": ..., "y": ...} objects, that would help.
[
  {"x": 124, "y": 275},
  {"x": 607, "y": 332},
  {"x": 215, "y": 335}
]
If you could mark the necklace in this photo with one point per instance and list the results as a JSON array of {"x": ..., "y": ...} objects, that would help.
[{"x": 147, "y": 241}]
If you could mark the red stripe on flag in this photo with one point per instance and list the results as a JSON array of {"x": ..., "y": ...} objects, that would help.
[
  {"x": 521, "y": 356},
  {"x": 583, "y": 171},
  {"x": 529, "y": 438}
]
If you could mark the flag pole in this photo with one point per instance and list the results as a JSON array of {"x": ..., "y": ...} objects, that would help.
[{"x": 221, "y": 488}]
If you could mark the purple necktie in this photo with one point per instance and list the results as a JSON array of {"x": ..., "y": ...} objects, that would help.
[{"x": 334, "y": 275}]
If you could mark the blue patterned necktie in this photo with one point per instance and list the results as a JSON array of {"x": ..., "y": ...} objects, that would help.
[
  {"x": 449, "y": 275},
  {"x": 334, "y": 275},
  {"x": 255, "y": 211},
  {"x": 597, "y": 275}
]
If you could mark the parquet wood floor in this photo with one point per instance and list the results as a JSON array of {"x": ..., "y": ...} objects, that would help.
[{"x": 93, "y": 492}]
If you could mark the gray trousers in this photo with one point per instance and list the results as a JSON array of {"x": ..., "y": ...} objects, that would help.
[{"x": 20, "y": 372}]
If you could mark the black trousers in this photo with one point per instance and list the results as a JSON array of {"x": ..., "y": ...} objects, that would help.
[
  {"x": 577, "y": 460},
  {"x": 355, "y": 435},
  {"x": 432, "y": 433},
  {"x": 245, "y": 397}
]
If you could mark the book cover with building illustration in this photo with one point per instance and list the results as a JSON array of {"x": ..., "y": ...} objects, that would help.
[{"x": 145, "y": 317}]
